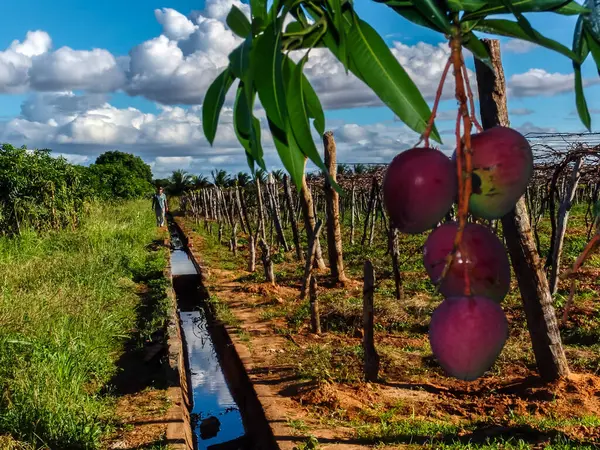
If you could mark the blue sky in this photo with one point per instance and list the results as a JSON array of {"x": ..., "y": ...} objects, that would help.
[{"x": 140, "y": 92}]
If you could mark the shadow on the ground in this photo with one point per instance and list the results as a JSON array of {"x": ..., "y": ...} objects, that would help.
[
  {"x": 482, "y": 436},
  {"x": 142, "y": 363}
]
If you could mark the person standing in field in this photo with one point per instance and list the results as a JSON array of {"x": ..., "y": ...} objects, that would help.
[{"x": 159, "y": 203}]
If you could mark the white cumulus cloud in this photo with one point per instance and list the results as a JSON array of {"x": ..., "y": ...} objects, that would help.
[
  {"x": 538, "y": 82},
  {"x": 175, "y": 25},
  {"x": 67, "y": 69},
  {"x": 519, "y": 46}
]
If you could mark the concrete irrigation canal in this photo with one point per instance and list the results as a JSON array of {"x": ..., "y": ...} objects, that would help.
[{"x": 217, "y": 383}]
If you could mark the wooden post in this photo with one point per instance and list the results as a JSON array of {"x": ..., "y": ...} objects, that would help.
[
  {"x": 306, "y": 201},
  {"x": 290, "y": 207},
  {"x": 374, "y": 213},
  {"x": 310, "y": 258},
  {"x": 234, "y": 241},
  {"x": 334, "y": 233},
  {"x": 267, "y": 262},
  {"x": 352, "y": 213},
  {"x": 243, "y": 219},
  {"x": 271, "y": 194},
  {"x": 396, "y": 263},
  {"x": 261, "y": 212},
  {"x": 252, "y": 259},
  {"x": 371, "y": 362},
  {"x": 245, "y": 210},
  {"x": 370, "y": 210},
  {"x": 561, "y": 227},
  {"x": 535, "y": 292},
  {"x": 315, "y": 319}
]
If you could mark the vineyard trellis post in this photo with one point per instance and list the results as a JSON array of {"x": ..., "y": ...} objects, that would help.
[
  {"x": 533, "y": 284},
  {"x": 561, "y": 226},
  {"x": 289, "y": 201},
  {"x": 309, "y": 215},
  {"x": 371, "y": 358},
  {"x": 334, "y": 233}
]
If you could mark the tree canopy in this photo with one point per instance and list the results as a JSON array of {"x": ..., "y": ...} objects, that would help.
[{"x": 121, "y": 175}]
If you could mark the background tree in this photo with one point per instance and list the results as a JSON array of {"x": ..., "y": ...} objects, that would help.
[
  {"x": 243, "y": 179},
  {"x": 179, "y": 182},
  {"x": 220, "y": 177},
  {"x": 122, "y": 175},
  {"x": 164, "y": 182},
  {"x": 359, "y": 169},
  {"x": 200, "y": 181}
]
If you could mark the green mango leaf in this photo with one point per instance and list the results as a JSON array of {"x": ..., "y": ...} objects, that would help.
[
  {"x": 415, "y": 16},
  {"x": 238, "y": 22},
  {"x": 258, "y": 25},
  {"x": 592, "y": 20},
  {"x": 294, "y": 28},
  {"x": 298, "y": 116},
  {"x": 429, "y": 9},
  {"x": 582, "y": 107},
  {"x": 580, "y": 46},
  {"x": 267, "y": 61},
  {"x": 566, "y": 8},
  {"x": 246, "y": 126},
  {"x": 571, "y": 8},
  {"x": 338, "y": 20},
  {"x": 258, "y": 9},
  {"x": 521, "y": 20},
  {"x": 289, "y": 152},
  {"x": 594, "y": 47},
  {"x": 582, "y": 50},
  {"x": 313, "y": 104},
  {"x": 297, "y": 36},
  {"x": 213, "y": 102},
  {"x": 242, "y": 114},
  {"x": 375, "y": 64},
  {"x": 401, "y": 3},
  {"x": 255, "y": 141},
  {"x": 382, "y": 51},
  {"x": 466, "y": 5},
  {"x": 251, "y": 164},
  {"x": 478, "y": 49},
  {"x": 239, "y": 58},
  {"x": 515, "y": 30}
]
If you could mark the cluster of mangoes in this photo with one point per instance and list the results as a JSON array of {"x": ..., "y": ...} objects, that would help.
[{"x": 466, "y": 332}]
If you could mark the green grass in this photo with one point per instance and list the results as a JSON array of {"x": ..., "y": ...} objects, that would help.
[{"x": 68, "y": 302}]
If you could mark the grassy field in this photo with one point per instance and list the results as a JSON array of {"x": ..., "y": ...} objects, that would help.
[
  {"x": 68, "y": 303},
  {"x": 415, "y": 405}
]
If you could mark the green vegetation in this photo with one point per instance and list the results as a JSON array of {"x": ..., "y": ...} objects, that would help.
[
  {"x": 68, "y": 303},
  {"x": 40, "y": 192},
  {"x": 118, "y": 175}
]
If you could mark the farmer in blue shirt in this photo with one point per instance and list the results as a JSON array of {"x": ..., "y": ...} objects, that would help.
[{"x": 159, "y": 203}]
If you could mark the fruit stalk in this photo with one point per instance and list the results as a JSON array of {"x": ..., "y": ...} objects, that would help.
[
  {"x": 438, "y": 96},
  {"x": 474, "y": 120},
  {"x": 463, "y": 152}
]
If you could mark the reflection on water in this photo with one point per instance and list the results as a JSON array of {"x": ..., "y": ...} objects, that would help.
[
  {"x": 219, "y": 418},
  {"x": 211, "y": 393},
  {"x": 181, "y": 264}
]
